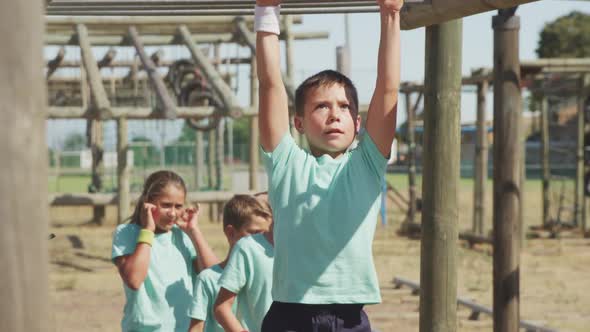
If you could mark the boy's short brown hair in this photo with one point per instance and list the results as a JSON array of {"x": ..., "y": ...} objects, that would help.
[
  {"x": 326, "y": 78},
  {"x": 241, "y": 208}
]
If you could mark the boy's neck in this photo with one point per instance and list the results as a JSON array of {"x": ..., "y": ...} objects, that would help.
[{"x": 318, "y": 153}]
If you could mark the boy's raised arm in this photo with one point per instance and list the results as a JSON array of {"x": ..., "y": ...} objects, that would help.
[
  {"x": 381, "y": 119},
  {"x": 273, "y": 117}
]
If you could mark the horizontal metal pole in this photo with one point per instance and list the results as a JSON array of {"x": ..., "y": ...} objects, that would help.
[
  {"x": 192, "y": 5},
  {"x": 205, "y": 12},
  {"x": 235, "y": 3}
]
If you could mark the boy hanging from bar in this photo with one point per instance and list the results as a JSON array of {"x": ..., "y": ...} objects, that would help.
[{"x": 325, "y": 200}]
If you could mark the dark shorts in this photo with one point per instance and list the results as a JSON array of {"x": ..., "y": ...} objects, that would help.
[{"x": 296, "y": 317}]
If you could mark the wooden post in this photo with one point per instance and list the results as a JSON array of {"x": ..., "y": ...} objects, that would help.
[
  {"x": 222, "y": 89},
  {"x": 24, "y": 251},
  {"x": 343, "y": 60},
  {"x": 442, "y": 100},
  {"x": 219, "y": 154},
  {"x": 411, "y": 136},
  {"x": 199, "y": 159},
  {"x": 123, "y": 184},
  {"x": 108, "y": 58},
  {"x": 254, "y": 141},
  {"x": 211, "y": 159},
  {"x": 289, "y": 79},
  {"x": 580, "y": 167},
  {"x": 546, "y": 170},
  {"x": 165, "y": 103},
  {"x": 481, "y": 161},
  {"x": 507, "y": 172},
  {"x": 100, "y": 103},
  {"x": 585, "y": 104},
  {"x": 95, "y": 142},
  {"x": 55, "y": 63}
]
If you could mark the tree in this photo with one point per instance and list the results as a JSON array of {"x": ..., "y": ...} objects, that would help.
[
  {"x": 75, "y": 142},
  {"x": 566, "y": 37}
]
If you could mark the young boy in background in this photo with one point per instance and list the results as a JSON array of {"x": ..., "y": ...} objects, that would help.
[
  {"x": 243, "y": 215},
  {"x": 247, "y": 278}
]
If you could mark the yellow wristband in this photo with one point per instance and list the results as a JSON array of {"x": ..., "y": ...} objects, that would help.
[{"x": 145, "y": 236}]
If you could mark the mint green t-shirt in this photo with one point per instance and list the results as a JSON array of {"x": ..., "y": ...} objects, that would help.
[
  {"x": 205, "y": 293},
  {"x": 162, "y": 301},
  {"x": 248, "y": 274},
  {"x": 325, "y": 212}
]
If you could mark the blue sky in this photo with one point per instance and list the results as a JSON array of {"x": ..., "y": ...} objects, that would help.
[{"x": 313, "y": 56}]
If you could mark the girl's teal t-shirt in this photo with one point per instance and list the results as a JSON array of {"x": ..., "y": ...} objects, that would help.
[{"x": 163, "y": 300}]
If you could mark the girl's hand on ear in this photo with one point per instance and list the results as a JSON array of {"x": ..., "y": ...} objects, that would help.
[
  {"x": 149, "y": 213},
  {"x": 189, "y": 219}
]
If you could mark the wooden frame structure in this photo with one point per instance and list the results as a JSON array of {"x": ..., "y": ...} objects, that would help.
[
  {"x": 96, "y": 107},
  {"x": 34, "y": 289}
]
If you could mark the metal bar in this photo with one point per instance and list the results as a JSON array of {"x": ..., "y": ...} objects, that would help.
[
  {"x": 191, "y": 5},
  {"x": 205, "y": 12}
]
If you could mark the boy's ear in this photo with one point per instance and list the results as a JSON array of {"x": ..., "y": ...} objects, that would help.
[
  {"x": 230, "y": 232},
  {"x": 357, "y": 124},
  {"x": 298, "y": 122}
]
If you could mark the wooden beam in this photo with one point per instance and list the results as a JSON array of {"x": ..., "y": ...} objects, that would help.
[
  {"x": 254, "y": 139},
  {"x": 161, "y": 62},
  {"x": 419, "y": 15},
  {"x": 476, "y": 308},
  {"x": 108, "y": 58},
  {"x": 579, "y": 203},
  {"x": 507, "y": 172},
  {"x": 249, "y": 39},
  {"x": 123, "y": 172},
  {"x": 545, "y": 165},
  {"x": 438, "y": 310},
  {"x": 63, "y": 38},
  {"x": 100, "y": 103},
  {"x": 52, "y": 65},
  {"x": 24, "y": 249},
  {"x": 161, "y": 25},
  {"x": 411, "y": 137},
  {"x": 165, "y": 103},
  {"x": 56, "y": 112},
  {"x": 225, "y": 93},
  {"x": 481, "y": 161}
]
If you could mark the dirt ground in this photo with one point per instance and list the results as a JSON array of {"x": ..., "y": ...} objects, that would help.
[{"x": 555, "y": 275}]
